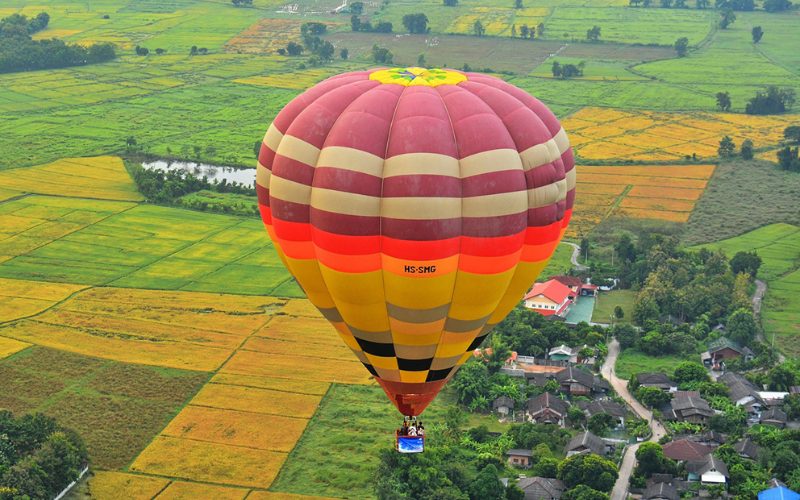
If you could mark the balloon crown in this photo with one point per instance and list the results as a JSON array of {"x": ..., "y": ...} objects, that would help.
[{"x": 414, "y": 76}]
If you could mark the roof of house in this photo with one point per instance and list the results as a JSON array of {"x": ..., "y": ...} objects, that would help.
[
  {"x": 503, "y": 401},
  {"x": 722, "y": 343},
  {"x": 691, "y": 404},
  {"x": 746, "y": 447},
  {"x": 547, "y": 400},
  {"x": 660, "y": 491},
  {"x": 520, "y": 452},
  {"x": 569, "y": 281},
  {"x": 588, "y": 441},
  {"x": 571, "y": 375},
  {"x": 711, "y": 462},
  {"x": 562, "y": 349},
  {"x": 654, "y": 378},
  {"x": 774, "y": 415},
  {"x": 554, "y": 487},
  {"x": 715, "y": 437},
  {"x": 603, "y": 406},
  {"x": 738, "y": 386},
  {"x": 552, "y": 289},
  {"x": 778, "y": 493},
  {"x": 684, "y": 449},
  {"x": 795, "y": 389}
]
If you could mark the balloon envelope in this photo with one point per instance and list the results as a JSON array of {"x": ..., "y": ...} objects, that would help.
[{"x": 415, "y": 207}]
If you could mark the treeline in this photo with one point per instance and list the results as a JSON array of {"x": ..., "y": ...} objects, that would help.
[
  {"x": 19, "y": 52},
  {"x": 739, "y": 5},
  {"x": 38, "y": 458},
  {"x": 158, "y": 186}
]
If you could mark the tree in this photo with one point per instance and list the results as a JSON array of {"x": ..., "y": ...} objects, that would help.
[
  {"x": 600, "y": 423},
  {"x": 517, "y": 4},
  {"x": 294, "y": 49},
  {"x": 513, "y": 31},
  {"x": 774, "y": 100},
  {"x": 160, "y": 51},
  {"x": 781, "y": 378},
  {"x": 326, "y": 51},
  {"x": 588, "y": 469},
  {"x": 141, "y": 51},
  {"x": 747, "y": 149},
  {"x": 357, "y": 8},
  {"x": 487, "y": 485},
  {"x": 416, "y": 23},
  {"x": 524, "y": 31},
  {"x": 741, "y": 327},
  {"x": 757, "y": 33},
  {"x": 556, "y": 69},
  {"x": 651, "y": 460},
  {"x": 724, "y": 101},
  {"x": 344, "y": 54},
  {"x": 746, "y": 262},
  {"x": 546, "y": 467},
  {"x": 666, "y": 4},
  {"x": 193, "y": 50},
  {"x": 777, "y": 5},
  {"x": 682, "y": 46},
  {"x": 789, "y": 159},
  {"x": 421, "y": 62},
  {"x": 652, "y": 396},
  {"x": 726, "y": 147},
  {"x": 792, "y": 133},
  {"x": 540, "y": 30},
  {"x": 355, "y": 23},
  {"x": 688, "y": 372},
  {"x": 593, "y": 34},
  {"x": 470, "y": 382},
  {"x": 702, "y": 4},
  {"x": 619, "y": 313},
  {"x": 727, "y": 17},
  {"x": 478, "y": 28},
  {"x": 627, "y": 335},
  {"x": 450, "y": 3},
  {"x": 583, "y": 492},
  {"x": 575, "y": 415}
]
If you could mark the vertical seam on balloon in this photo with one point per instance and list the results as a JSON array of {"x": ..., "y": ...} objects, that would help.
[
  {"x": 527, "y": 221},
  {"x": 380, "y": 226},
  {"x": 461, "y": 224}
]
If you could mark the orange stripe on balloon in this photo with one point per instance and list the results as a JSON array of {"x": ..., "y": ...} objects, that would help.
[
  {"x": 297, "y": 249},
  {"x": 346, "y": 244},
  {"x": 488, "y": 265},
  {"x": 538, "y": 253},
  {"x": 349, "y": 263}
]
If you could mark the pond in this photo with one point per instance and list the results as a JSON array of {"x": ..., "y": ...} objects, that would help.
[{"x": 214, "y": 173}]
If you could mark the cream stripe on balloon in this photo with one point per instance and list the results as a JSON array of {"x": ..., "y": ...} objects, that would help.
[
  {"x": 298, "y": 149},
  {"x": 288, "y": 190},
  {"x": 262, "y": 176},
  {"x": 546, "y": 152},
  {"x": 273, "y": 137},
  {"x": 486, "y": 162},
  {"x": 495, "y": 205},
  {"x": 543, "y": 196},
  {"x": 419, "y": 208},
  {"x": 562, "y": 141},
  {"x": 572, "y": 179},
  {"x": 351, "y": 159},
  {"x": 421, "y": 164},
  {"x": 342, "y": 202}
]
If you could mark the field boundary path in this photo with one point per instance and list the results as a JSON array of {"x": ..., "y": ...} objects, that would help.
[
  {"x": 657, "y": 430},
  {"x": 758, "y": 300}
]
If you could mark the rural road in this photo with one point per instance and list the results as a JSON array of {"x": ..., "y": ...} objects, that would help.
[
  {"x": 621, "y": 387},
  {"x": 758, "y": 297},
  {"x": 576, "y": 251}
]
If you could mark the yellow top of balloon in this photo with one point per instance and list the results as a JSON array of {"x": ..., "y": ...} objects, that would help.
[{"x": 418, "y": 76}]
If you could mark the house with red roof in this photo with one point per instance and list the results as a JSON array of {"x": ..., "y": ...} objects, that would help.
[{"x": 551, "y": 298}]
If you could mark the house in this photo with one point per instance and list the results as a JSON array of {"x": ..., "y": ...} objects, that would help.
[
  {"x": 616, "y": 410},
  {"x": 774, "y": 417},
  {"x": 550, "y": 298},
  {"x": 691, "y": 409},
  {"x": 575, "y": 382},
  {"x": 573, "y": 282},
  {"x": 686, "y": 450},
  {"x": 541, "y": 488},
  {"x": 743, "y": 393},
  {"x": 561, "y": 353},
  {"x": 586, "y": 442},
  {"x": 795, "y": 389},
  {"x": 546, "y": 408},
  {"x": 656, "y": 379},
  {"x": 746, "y": 448},
  {"x": 661, "y": 491},
  {"x": 519, "y": 458},
  {"x": 724, "y": 348},
  {"x": 713, "y": 438},
  {"x": 503, "y": 405},
  {"x": 710, "y": 470},
  {"x": 772, "y": 398}
]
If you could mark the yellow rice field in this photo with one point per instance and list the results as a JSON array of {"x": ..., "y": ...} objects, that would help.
[
  {"x": 108, "y": 484},
  {"x": 209, "y": 462},
  {"x": 305, "y": 365},
  {"x": 496, "y": 21},
  {"x": 102, "y": 177},
  {"x": 282, "y": 401},
  {"x": 611, "y": 135},
  {"x": 10, "y": 346},
  {"x": 180, "y": 490}
]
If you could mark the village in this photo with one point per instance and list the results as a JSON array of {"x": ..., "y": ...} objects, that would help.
[{"x": 575, "y": 387}]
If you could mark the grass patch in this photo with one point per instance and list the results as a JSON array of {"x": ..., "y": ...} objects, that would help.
[
  {"x": 632, "y": 361},
  {"x": 116, "y": 408},
  {"x": 606, "y": 302}
]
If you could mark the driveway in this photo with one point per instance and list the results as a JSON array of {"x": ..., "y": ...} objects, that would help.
[{"x": 621, "y": 387}]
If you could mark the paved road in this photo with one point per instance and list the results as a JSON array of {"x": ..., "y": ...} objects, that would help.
[
  {"x": 621, "y": 387},
  {"x": 758, "y": 297},
  {"x": 576, "y": 251}
]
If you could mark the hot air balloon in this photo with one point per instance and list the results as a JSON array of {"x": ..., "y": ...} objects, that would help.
[{"x": 415, "y": 207}]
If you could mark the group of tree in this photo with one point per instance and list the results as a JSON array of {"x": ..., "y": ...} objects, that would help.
[
  {"x": 242, "y": 3},
  {"x": 567, "y": 71},
  {"x": 771, "y": 101},
  {"x": 158, "y": 186},
  {"x": 726, "y": 18},
  {"x": 416, "y": 23},
  {"x": 788, "y": 159},
  {"x": 143, "y": 51},
  {"x": 528, "y": 32},
  {"x": 723, "y": 5},
  {"x": 356, "y": 24},
  {"x": 38, "y": 458},
  {"x": 776, "y": 5},
  {"x": 195, "y": 50},
  {"x": 382, "y": 55},
  {"x": 478, "y": 29},
  {"x": 727, "y": 148},
  {"x": 19, "y": 52},
  {"x": 665, "y": 4},
  {"x": 682, "y": 46},
  {"x": 593, "y": 34}
]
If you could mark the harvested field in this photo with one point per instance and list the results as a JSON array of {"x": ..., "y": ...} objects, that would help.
[
  {"x": 109, "y": 484},
  {"x": 280, "y": 401}
]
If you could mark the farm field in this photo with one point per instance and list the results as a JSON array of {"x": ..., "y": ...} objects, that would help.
[
  {"x": 638, "y": 192},
  {"x": 778, "y": 245},
  {"x": 601, "y": 134}
]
